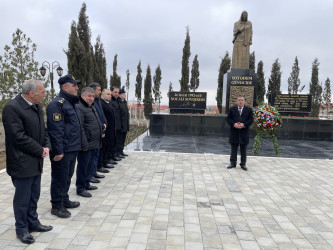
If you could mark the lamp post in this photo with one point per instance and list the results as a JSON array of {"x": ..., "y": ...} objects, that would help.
[{"x": 46, "y": 65}]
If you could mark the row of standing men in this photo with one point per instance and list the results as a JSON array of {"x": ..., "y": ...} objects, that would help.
[{"x": 90, "y": 129}]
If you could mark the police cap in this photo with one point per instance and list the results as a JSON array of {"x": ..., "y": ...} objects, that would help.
[{"x": 68, "y": 78}]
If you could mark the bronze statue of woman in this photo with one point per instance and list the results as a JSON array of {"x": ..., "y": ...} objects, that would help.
[{"x": 242, "y": 41}]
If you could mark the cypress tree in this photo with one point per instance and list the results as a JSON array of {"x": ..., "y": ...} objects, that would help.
[
  {"x": 184, "y": 81},
  {"x": 327, "y": 93},
  {"x": 100, "y": 62},
  {"x": 148, "y": 99},
  {"x": 195, "y": 81},
  {"x": 315, "y": 89},
  {"x": 252, "y": 61},
  {"x": 170, "y": 89},
  {"x": 224, "y": 67},
  {"x": 138, "y": 84},
  {"x": 114, "y": 78},
  {"x": 261, "y": 83},
  {"x": 84, "y": 34},
  {"x": 127, "y": 82},
  {"x": 157, "y": 84},
  {"x": 76, "y": 56},
  {"x": 293, "y": 81},
  {"x": 274, "y": 82}
]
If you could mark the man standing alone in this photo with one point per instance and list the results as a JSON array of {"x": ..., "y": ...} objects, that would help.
[
  {"x": 240, "y": 118},
  {"x": 27, "y": 145},
  {"x": 65, "y": 131}
]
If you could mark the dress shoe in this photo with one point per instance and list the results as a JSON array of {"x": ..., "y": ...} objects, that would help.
[
  {"x": 99, "y": 176},
  {"x": 103, "y": 170},
  {"x": 41, "y": 228},
  {"x": 231, "y": 166},
  {"x": 26, "y": 238},
  {"x": 91, "y": 187},
  {"x": 123, "y": 154},
  {"x": 108, "y": 166},
  {"x": 61, "y": 212},
  {"x": 72, "y": 204},
  {"x": 115, "y": 158},
  {"x": 94, "y": 180},
  {"x": 112, "y": 162},
  {"x": 120, "y": 156},
  {"x": 84, "y": 194},
  {"x": 244, "y": 168}
]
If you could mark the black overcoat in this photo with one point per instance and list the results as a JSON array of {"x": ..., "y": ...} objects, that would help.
[
  {"x": 110, "y": 132},
  {"x": 92, "y": 126},
  {"x": 239, "y": 136},
  {"x": 25, "y": 138},
  {"x": 124, "y": 115}
]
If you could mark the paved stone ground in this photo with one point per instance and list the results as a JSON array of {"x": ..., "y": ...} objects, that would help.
[{"x": 156, "y": 200}]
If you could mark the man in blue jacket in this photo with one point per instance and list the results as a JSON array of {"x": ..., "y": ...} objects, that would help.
[
  {"x": 65, "y": 132},
  {"x": 97, "y": 88}
]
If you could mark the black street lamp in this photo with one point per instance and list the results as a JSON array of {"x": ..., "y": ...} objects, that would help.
[{"x": 46, "y": 65}]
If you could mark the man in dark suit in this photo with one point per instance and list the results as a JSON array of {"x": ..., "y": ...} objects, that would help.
[
  {"x": 109, "y": 141},
  {"x": 27, "y": 144},
  {"x": 240, "y": 118}
]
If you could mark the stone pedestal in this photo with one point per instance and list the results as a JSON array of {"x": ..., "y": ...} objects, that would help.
[{"x": 239, "y": 82}]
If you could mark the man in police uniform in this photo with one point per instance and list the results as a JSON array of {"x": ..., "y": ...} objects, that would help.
[{"x": 65, "y": 132}]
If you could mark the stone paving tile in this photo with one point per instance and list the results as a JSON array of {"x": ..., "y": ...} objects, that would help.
[{"x": 189, "y": 201}]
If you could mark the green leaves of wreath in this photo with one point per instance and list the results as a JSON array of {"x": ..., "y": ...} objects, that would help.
[{"x": 266, "y": 121}]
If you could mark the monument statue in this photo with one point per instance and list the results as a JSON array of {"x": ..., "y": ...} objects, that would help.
[{"x": 242, "y": 41}]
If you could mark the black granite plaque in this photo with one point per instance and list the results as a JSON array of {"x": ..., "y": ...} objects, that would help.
[
  {"x": 238, "y": 82},
  {"x": 187, "y": 102},
  {"x": 288, "y": 104}
]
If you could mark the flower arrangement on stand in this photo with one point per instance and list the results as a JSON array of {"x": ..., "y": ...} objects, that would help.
[{"x": 266, "y": 120}]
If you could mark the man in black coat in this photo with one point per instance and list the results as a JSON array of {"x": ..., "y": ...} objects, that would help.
[
  {"x": 124, "y": 116},
  {"x": 27, "y": 144},
  {"x": 115, "y": 104},
  {"x": 109, "y": 141},
  {"x": 240, "y": 118},
  {"x": 91, "y": 142}
]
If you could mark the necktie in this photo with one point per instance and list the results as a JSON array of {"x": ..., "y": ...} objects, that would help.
[
  {"x": 240, "y": 111},
  {"x": 34, "y": 107}
]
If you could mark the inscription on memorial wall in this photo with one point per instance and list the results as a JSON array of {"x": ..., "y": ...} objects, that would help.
[
  {"x": 246, "y": 91},
  {"x": 291, "y": 103},
  {"x": 187, "y": 100},
  {"x": 241, "y": 80}
]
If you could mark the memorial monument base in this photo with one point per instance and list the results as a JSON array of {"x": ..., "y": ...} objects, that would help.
[
  {"x": 200, "y": 125},
  {"x": 239, "y": 82}
]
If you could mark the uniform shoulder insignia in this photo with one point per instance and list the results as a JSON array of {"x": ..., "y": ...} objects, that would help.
[
  {"x": 61, "y": 100},
  {"x": 56, "y": 117}
]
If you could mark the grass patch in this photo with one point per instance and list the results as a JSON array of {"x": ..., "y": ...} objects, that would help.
[{"x": 134, "y": 132}]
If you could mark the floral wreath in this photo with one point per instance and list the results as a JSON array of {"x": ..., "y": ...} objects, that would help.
[{"x": 266, "y": 120}]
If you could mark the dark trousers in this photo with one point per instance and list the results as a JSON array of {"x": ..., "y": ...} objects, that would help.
[
  {"x": 103, "y": 157},
  {"x": 233, "y": 156},
  {"x": 116, "y": 148},
  {"x": 61, "y": 176},
  {"x": 27, "y": 191},
  {"x": 94, "y": 163},
  {"x": 121, "y": 141},
  {"x": 85, "y": 161}
]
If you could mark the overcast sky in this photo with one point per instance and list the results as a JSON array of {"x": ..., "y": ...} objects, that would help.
[{"x": 154, "y": 31}]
